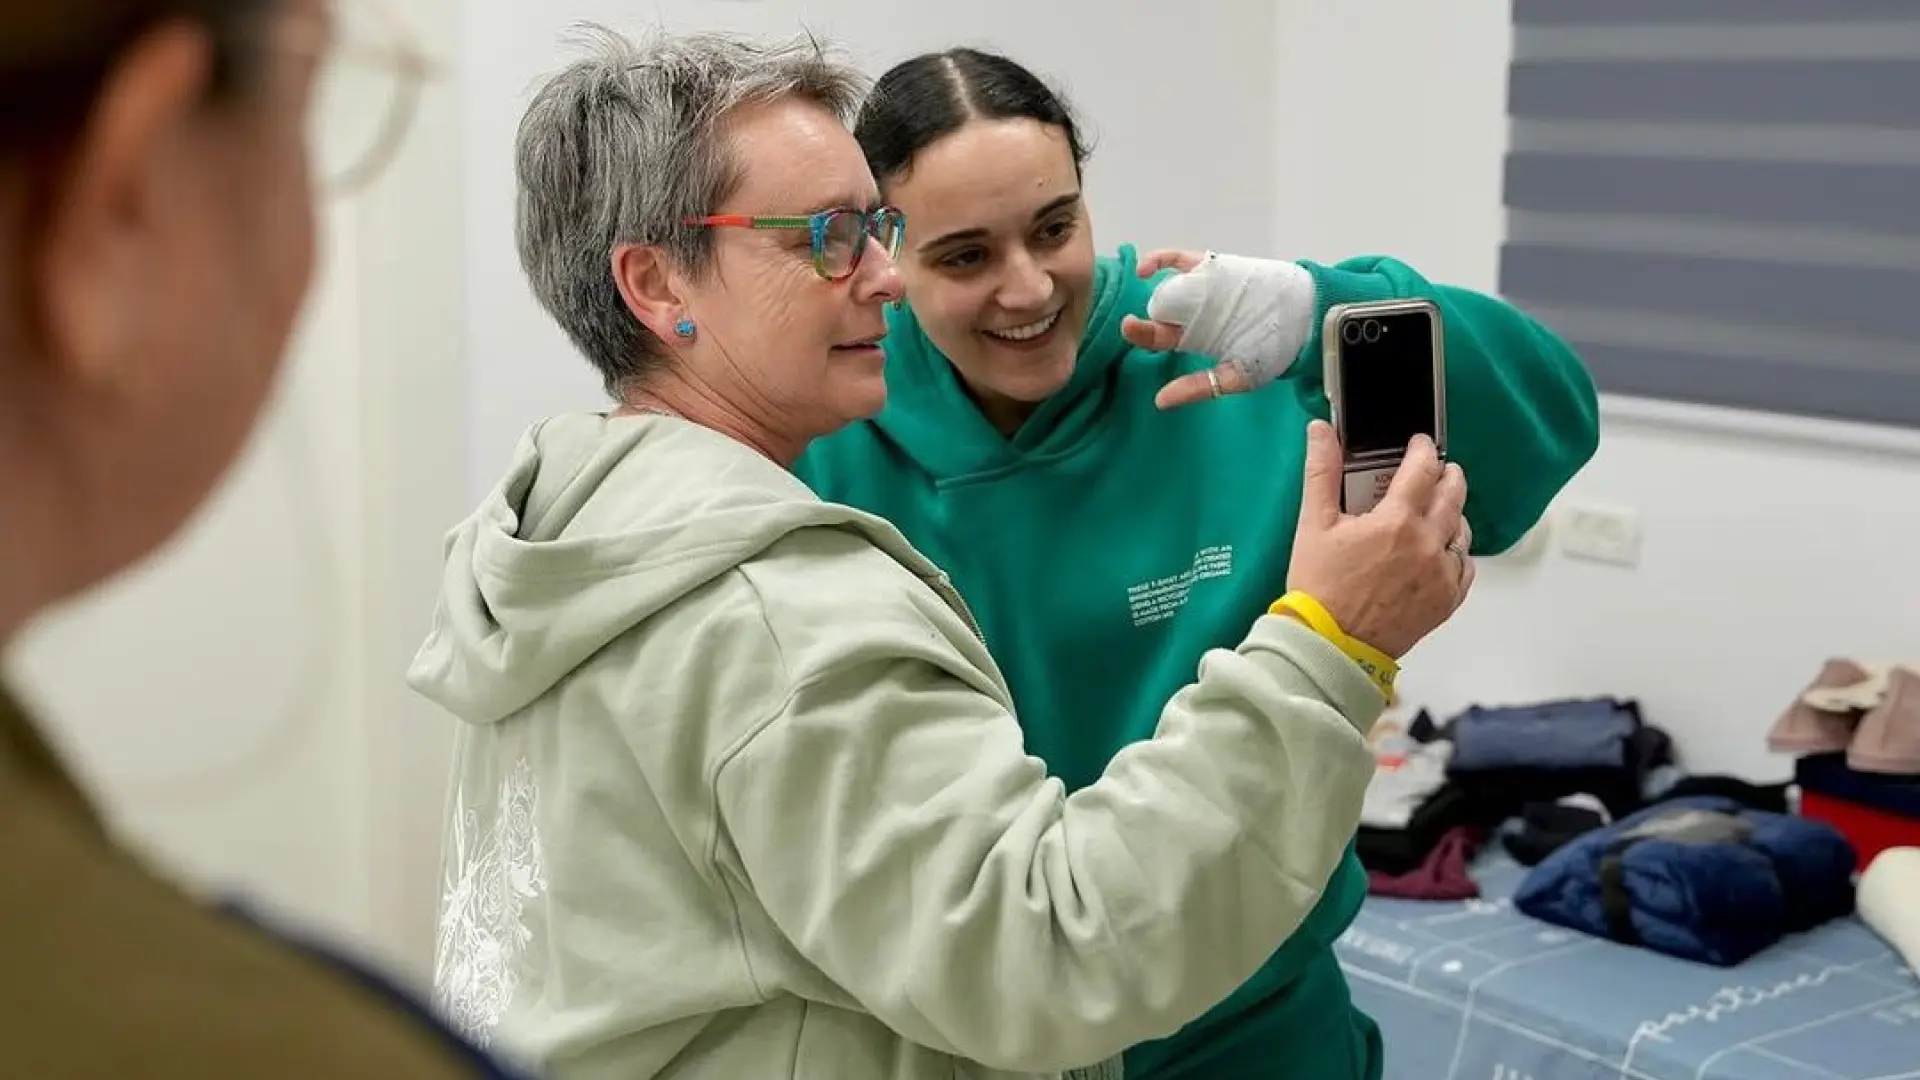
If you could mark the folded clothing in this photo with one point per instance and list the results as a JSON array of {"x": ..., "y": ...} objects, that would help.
[
  {"x": 1441, "y": 876},
  {"x": 1660, "y": 781},
  {"x": 1874, "y": 811},
  {"x": 1769, "y": 797},
  {"x": 1701, "y": 878},
  {"x": 1402, "y": 850},
  {"x": 1498, "y": 794},
  {"x": 1870, "y": 830},
  {"x": 1573, "y": 734},
  {"x": 1405, "y": 775},
  {"x": 1829, "y": 774},
  {"x": 1544, "y": 828}
]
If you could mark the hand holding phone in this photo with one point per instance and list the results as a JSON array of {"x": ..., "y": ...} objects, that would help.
[
  {"x": 1391, "y": 576},
  {"x": 1385, "y": 374}
]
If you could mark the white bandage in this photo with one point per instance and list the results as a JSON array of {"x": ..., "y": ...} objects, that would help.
[{"x": 1253, "y": 313}]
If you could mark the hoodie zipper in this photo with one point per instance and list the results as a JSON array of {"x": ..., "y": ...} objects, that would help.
[{"x": 944, "y": 587}]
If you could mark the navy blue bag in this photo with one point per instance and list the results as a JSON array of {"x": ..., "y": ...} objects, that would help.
[{"x": 1700, "y": 878}]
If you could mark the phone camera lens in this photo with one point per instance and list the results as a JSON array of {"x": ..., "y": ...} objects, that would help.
[
  {"x": 1370, "y": 331},
  {"x": 1350, "y": 333}
]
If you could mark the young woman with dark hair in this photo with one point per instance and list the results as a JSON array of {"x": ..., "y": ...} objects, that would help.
[{"x": 1042, "y": 443}]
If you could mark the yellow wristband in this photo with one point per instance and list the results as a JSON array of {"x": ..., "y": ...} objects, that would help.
[{"x": 1378, "y": 666}]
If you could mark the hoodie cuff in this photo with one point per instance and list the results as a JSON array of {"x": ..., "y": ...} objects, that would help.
[{"x": 1331, "y": 286}]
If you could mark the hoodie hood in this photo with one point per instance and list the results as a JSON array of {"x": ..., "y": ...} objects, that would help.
[
  {"x": 599, "y": 523},
  {"x": 931, "y": 417}
]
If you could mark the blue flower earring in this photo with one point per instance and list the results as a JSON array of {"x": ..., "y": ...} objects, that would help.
[{"x": 684, "y": 328}]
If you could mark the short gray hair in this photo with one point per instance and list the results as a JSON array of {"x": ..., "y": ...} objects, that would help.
[{"x": 626, "y": 144}]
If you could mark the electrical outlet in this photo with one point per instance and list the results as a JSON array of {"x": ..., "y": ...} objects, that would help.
[{"x": 1604, "y": 534}]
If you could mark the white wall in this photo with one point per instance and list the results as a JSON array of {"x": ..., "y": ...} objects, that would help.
[
  {"x": 412, "y": 275},
  {"x": 1180, "y": 100},
  {"x": 1768, "y": 544}
]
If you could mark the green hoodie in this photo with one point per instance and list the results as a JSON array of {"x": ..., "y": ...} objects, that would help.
[{"x": 1108, "y": 544}]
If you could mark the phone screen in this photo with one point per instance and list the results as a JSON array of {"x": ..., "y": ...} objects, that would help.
[{"x": 1386, "y": 380}]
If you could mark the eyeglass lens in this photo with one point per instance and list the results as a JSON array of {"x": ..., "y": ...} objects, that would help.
[
  {"x": 846, "y": 233},
  {"x": 364, "y": 95}
]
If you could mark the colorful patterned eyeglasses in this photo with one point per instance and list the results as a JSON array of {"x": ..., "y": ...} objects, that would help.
[{"x": 839, "y": 236}]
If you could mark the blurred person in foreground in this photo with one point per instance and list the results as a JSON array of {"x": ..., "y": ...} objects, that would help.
[
  {"x": 156, "y": 241},
  {"x": 739, "y": 791}
]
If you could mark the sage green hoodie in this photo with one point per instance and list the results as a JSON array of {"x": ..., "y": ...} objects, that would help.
[{"x": 739, "y": 792}]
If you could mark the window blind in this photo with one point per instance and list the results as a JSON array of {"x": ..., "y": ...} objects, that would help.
[{"x": 1718, "y": 201}]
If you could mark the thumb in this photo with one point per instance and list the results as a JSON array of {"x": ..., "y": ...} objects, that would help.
[
  {"x": 1320, "y": 492},
  {"x": 1151, "y": 336}
]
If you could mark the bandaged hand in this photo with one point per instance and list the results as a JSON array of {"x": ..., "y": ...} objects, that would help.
[{"x": 1253, "y": 315}]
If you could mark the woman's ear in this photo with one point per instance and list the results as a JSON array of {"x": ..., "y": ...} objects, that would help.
[
  {"x": 649, "y": 288},
  {"x": 102, "y": 230}
]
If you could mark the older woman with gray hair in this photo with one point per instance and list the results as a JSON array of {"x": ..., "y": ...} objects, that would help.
[{"x": 739, "y": 790}]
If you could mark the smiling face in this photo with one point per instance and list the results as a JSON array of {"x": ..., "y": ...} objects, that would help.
[{"x": 999, "y": 259}]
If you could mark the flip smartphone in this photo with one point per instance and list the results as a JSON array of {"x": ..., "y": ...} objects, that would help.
[{"x": 1385, "y": 374}]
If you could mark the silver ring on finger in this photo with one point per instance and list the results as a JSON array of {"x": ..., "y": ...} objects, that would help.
[{"x": 1213, "y": 381}]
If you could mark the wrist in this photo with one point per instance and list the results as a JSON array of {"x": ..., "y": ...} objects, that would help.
[{"x": 1379, "y": 668}]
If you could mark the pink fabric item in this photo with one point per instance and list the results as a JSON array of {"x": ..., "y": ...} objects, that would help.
[
  {"x": 1442, "y": 876},
  {"x": 1888, "y": 740},
  {"x": 1804, "y": 729}
]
